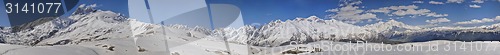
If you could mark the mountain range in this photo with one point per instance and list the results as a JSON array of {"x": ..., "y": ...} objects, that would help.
[{"x": 88, "y": 24}]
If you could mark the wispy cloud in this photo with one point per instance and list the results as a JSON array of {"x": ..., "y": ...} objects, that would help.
[
  {"x": 474, "y": 6},
  {"x": 418, "y": 1},
  {"x": 477, "y": 21},
  {"x": 455, "y": 1},
  {"x": 407, "y": 10},
  {"x": 477, "y": 1},
  {"x": 351, "y": 13},
  {"x": 435, "y": 2},
  {"x": 438, "y": 20}
]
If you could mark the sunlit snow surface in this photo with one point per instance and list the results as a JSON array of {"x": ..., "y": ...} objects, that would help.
[{"x": 98, "y": 32}]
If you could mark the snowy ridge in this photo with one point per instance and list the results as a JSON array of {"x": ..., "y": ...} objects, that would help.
[
  {"x": 101, "y": 25},
  {"x": 391, "y": 25},
  {"x": 139, "y": 27},
  {"x": 98, "y": 25},
  {"x": 481, "y": 33},
  {"x": 36, "y": 34},
  {"x": 87, "y": 25},
  {"x": 234, "y": 35},
  {"x": 81, "y": 26},
  {"x": 312, "y": 29},
  {"x": 302, "y": 30},
  {"x": 305, "y": 30}
]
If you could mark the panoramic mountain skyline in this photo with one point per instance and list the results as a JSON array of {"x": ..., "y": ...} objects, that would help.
[
  {"x": 261, "y": 27},
  {"x": 424, "y": 13}
]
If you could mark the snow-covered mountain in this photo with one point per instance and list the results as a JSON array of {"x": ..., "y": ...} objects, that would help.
[
  {"x": 301, "y": 30},
  {"x": 81, "y": 26},
  {"x": 234, "y": 35},
  {"x": 312, "y": 29},
  {"x": 107, "y": 33},
  {"x": 390, "y": 26},
  {"x": 481, "y": 33},
  {"x": 88, "y": 24}
]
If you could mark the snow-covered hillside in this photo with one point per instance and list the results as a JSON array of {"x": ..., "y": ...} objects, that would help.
[
  {"x": 81, "y": 26},
  {"x": 97, "y": 32}
]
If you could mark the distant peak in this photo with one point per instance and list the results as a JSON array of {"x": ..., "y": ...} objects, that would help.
[
  {"x": 310, "y": 19},
  {"x": 313, "y": 17},
  {"x": 394, "y": 22},
  {"x": 84, "y": 9}
]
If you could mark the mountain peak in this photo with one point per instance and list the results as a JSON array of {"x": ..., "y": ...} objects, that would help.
[
  {"x": 84, "y": 9},
  {"x": 310, "y": 19},
  {"x": 390, "y": 25},
  {"x": 394, "y": 21}
]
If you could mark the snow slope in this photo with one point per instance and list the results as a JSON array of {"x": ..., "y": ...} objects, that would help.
[
  {"x": 436, "y": 47},
  {"x": 97, "y": 32}
]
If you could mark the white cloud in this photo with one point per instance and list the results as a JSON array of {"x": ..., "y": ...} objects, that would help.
[
  {"x": 411, "y": 12},
  {"x": 434, "y": 14},
  {"x": 477, "y": 1},
  {"x": 349, "y": 2},
  {"x": 435, "y": 2},
  {"x": 497, "y": 18},
  {"x": 476, "y": 21},
  {"x": 474, "y": 6},
  {"x": 438, "y": 20},
  {"x": 402, "y": 7},
  {"x": 418, "y": 1},
  {"x": 407, "y": 10},
  {"x": 382, "y": 10},
  {"x": 351, "y": 14},
  {"x": 455, "y": 1},
  {"x": 487, "y": 20}
]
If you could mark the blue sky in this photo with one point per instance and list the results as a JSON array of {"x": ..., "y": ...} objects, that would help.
[
  {"x": 4, "y": 21},
  {"x": 264, "y": 11},
  {"x": 106, "y": 5},
  {"x": 110, "y": 5},
  {"x": 458, "y": 13}
]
